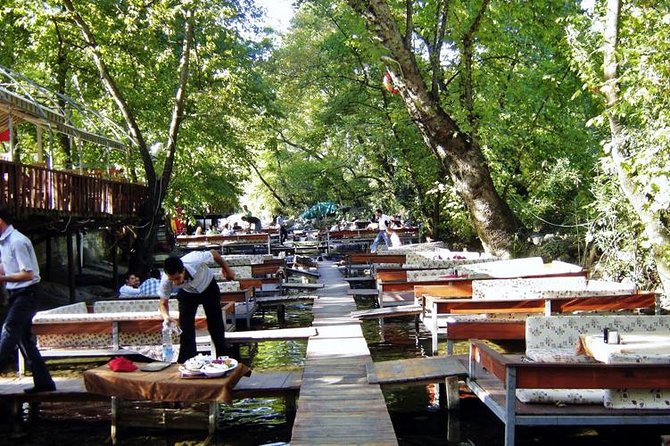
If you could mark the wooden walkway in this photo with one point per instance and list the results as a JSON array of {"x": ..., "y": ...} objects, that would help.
[{"x": 337, "y": 405}]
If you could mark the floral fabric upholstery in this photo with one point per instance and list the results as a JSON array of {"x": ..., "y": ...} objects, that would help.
[
  {"x": 637, "y": 399},
  {"x": 423, "y": 275},
  {"x": 404, "y": 249},
  {"x": 539, "y": 288},
  {"x": 78, "y": 308},
  {"x": 518, "y": 267},
  {"x": 561, "y": 396},
  {"x": 232, "y": 285},
  {"x": 246, "y": 259},
  {"x": 555, "y": 339},
  {"x": 105, "y": 311}
]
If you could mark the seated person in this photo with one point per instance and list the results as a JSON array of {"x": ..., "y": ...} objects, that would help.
[
  {"x": 211, "y": 230},
  {"x": 133, "y": 288},
  {"x": 227, "y": 230}
]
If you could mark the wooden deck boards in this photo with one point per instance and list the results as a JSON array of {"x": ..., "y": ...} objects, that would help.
[
  {"x": 417, "y": 369},
  {"x": 337, "y": 405},
  {"x": 381, "y": 313}
]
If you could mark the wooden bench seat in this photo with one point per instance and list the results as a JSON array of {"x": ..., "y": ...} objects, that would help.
[{"x": 495, "y": 378}]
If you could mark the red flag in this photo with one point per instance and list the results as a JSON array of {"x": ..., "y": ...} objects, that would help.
[{"x": 4, "y": 136}]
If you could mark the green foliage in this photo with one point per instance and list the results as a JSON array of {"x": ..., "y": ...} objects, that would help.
[{"x": 642, "y": 111}]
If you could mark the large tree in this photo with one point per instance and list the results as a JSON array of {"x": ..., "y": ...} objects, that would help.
[{"x": 456, "y": 148}]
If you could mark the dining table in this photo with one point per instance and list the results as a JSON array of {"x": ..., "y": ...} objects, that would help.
[
  {"x": 167, "y": 385},
  {"x": 632, "y": 348}
]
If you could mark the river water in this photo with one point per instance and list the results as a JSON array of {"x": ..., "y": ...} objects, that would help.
[{"x": 417, "y": 416}]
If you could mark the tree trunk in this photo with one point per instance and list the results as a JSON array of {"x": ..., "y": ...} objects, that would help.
[
  {"x": 654, "y": 229},
  {"x": 457, "y": 152}
]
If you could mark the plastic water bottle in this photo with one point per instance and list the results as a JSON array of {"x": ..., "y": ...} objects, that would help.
[{"x": 168, "y": 351}]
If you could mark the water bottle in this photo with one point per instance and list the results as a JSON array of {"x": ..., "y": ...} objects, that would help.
[{"x": 168, "y": 351}]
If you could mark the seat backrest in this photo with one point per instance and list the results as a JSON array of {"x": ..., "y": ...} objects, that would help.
[{"x": 562, "y": 332}]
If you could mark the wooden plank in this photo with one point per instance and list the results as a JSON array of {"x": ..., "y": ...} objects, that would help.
[
  {"x": 278, "y": 298},
  {"x": 416, "y": 369},
  {"x": 302, "y": 286},
  {"x": 301, "y": 272},
  {"x": 380, "y": 313},
  {"x": 363, "y": 292},
  {"x": 497, "y": 330},
  {"x": 265, "y": 335}
]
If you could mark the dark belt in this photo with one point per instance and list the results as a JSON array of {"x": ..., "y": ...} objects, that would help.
[{"x": 16, "y": 291}]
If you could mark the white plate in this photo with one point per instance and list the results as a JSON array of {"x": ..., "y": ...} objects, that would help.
[
  {"x": 186, "y": 372},
  {"x": 217, "y": 370}
]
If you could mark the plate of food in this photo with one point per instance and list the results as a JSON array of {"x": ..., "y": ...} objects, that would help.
[
  {"x": 219, "y": 367},
  {"x": 205, "y": 366},
  {"x": 197, "y": 362}
]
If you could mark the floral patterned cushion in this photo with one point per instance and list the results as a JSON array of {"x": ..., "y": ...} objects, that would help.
[
  {"x": 246, "y": 259},
  {"x": 554, "y": 339},
  {"x": 563, "y": 331},
  {"x": 637, "y": 398},
  {"x": 530, "y": 266},
  {"x": 78, "y": 308},
  {"x": 232, "y": 285},
  {"x": 534, "y": 288},
  {"x": 422, "y": 275},
  {"x": 561, "y": 396}
]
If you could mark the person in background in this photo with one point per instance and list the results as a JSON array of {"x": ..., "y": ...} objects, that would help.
[
  {"x": 21, "y": 275},
  {"x": 211, "y": 230},
  {"x": 393, "y": 237},
  {"x": 196, "y": 285},
  {"x": 227, "y": 230},
  {"x": 283, "y": 233},
  {"x": 133, "y": 287},
  {"x": 383, "y": 222},
  {"x": 254, "y": 223},
  {"x": 198, "y": 230}
]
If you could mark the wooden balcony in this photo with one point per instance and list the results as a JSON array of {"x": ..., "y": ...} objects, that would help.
[{"x": 34, "y": 190}]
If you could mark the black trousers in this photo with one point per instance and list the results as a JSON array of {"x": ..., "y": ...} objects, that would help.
[{"x": 210, "y": 299}]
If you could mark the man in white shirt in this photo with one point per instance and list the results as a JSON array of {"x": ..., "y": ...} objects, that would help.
[
  {"x": 20, "y": 274},
  {"x": 383, "y": 222},
  {"x": 196, "y": 285}
]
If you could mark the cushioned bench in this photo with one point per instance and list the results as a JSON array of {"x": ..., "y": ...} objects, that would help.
[
  {"x": 110, "y": 327},
  {"x": 554, "y": 339}
]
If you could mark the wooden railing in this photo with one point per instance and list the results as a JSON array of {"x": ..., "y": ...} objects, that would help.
[{"x": 35, "y": 190}]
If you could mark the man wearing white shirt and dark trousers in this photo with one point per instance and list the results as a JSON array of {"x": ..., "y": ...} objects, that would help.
[
  {"x": 383, "y": 221},
  {"x": 20, "y": 273},
  {"x": 191, "y": 275}
]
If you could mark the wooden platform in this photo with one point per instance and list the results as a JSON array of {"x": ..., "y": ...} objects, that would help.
[
  {"x": 284, "y": 299},
  {"x": 363, "y": 292},
  {"x": 301, "y": 286},
  {"x": 264, "y": 384},
  {"x": 281, "y": 334},
  {"x": 337, "y": 404},
  {"x": 380, "y": 313},
  {"x": 301, "y": 272},
  {"x": 417, "y": 370}
]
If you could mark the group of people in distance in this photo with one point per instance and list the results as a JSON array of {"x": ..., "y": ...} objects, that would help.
[{"x": 252, "y": 223}]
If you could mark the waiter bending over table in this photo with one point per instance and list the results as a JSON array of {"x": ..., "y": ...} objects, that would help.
[{"x": 191, "y": 275}]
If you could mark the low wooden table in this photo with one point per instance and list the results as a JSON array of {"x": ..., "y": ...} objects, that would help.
[
  {"x": 165, "y": 385},
  {"x": 632, "y": 344}
]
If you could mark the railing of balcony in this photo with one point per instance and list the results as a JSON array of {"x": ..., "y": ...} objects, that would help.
[{"x": 40, "y": 191}]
